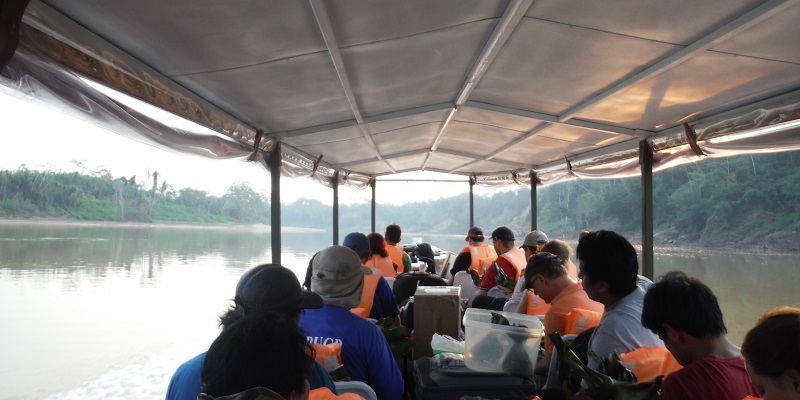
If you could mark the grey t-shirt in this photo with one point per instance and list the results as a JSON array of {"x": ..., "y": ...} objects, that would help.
[{"x": 621, "y": 330}]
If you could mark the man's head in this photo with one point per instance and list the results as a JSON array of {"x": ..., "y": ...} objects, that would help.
[
  {"x": 475, "y": 235},
  {"x": 533, "y": 240},
  {"x": 269, "y": 288},
  {"x": 393, "y": 234},
  {"x": 359, "y": 243},
  {"x": 540, "y": 273},
  {"x": 679, "y": 304},
  {"x": 503, "y": 239},
  {"x": 337, "y": 277},
  {"x": 771, "y": 350},
  {"x": 608, "y": 266},
  {"x": 559, "y": 248},
  {"x": 258, "y": 352}
]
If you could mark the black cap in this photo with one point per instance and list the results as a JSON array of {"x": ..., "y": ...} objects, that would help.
[
  {"x": 273, "y": 288},
  {"x": 504, "y": 234}
]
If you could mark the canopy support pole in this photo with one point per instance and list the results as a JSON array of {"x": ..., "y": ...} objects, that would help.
[
  {"x": 646, "y": 162},
  {"x": 336, "y": 207},
  {"x": 534, "y": 200},
  {"x": 471, "y": 203},
  {"x": 372, "y": 213},
  {"x": 275, "y": 198}
]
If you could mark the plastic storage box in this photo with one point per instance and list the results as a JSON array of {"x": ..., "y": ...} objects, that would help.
[{"x": 502, "y": 348}]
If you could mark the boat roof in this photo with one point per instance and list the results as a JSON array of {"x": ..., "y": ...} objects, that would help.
[{"x": 500, "y": 91}]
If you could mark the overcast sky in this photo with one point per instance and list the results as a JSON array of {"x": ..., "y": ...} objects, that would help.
[{"x": 40, "y": 138}]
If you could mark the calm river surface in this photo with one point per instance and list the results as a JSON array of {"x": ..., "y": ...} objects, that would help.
[{"x": 92, "y": 312}]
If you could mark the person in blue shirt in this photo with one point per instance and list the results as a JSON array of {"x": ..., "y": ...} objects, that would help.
[
  {"x": 263, "y": 290},
  {"x": 258, "y": 356},
  {"x": 338, "y": 278}
]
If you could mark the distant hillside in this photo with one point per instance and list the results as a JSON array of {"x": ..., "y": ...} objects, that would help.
[{"x": 750, "y": 202}]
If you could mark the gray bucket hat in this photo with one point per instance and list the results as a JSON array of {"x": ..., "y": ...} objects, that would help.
[{"x": 337, "y": 277}]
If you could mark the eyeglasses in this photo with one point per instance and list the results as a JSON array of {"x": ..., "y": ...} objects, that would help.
[{"x": 531, "y": 281}]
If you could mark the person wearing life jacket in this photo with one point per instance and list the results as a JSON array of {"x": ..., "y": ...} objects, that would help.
[
  {"x": 501, "y": 277},
  {"x": 263, "y": 291},
  {"x": 530, "y": 245},
  {"x": 396, "y": 252},
  {"x": 265, "y": 358},
  {"x": 338, "y": 277},
  {"x": 377, "y": 300},
  {"x": 545, "y": 276},
  {"x": 379, "y": 257},
  {"x": 482, "y": 255}
]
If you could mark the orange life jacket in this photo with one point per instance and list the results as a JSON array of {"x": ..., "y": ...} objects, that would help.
[
  {"x": 367, "y": 296},
  {"x": 648, "y": 362},
  {"x": 396, "y": 255},
  {"x": 579, "y": 320},
  {"x": 329, "y": 355},
  {"x": 383, "y": 264},
  {"x": 481, "y": 256},
  {"x": 536, "y": 306},
  {"x": 324, "y": 393},
  {"x": 517, "y": 258}
]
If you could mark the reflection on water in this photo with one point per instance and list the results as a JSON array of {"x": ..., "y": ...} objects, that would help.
[{"x": 109, "y": 312}]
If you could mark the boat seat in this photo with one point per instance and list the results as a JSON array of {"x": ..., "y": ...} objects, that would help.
[
  {"x": 356, "y": 387},
  {"x": 405, "y": 285},
  {"x": 468, "y": 288}
]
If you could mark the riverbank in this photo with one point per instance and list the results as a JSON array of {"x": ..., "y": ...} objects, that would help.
[{"x": 155, "y": 224}]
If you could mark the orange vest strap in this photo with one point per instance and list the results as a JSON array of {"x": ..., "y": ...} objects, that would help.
[{"x": 579, "y": 320}]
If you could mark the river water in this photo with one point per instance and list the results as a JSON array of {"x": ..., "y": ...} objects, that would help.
[{"x": 97, "y": 312}]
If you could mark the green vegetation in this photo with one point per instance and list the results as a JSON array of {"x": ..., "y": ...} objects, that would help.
[
  {"x": 717, "y": 202},
  {"x": 100, "y": 197}
]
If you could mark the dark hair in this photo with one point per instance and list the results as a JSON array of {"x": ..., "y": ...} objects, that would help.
[
  {"x": 684, "y": 303},
  {"x": 772, "y": 346},
  {"x": 545, "y": 264},
  {"x": 377, "y": 245},
  {"x": 609, "y": 257},
  {"x": 252, "y": 352},
  {"x": 557, "y": 247},
  {"x": 393, "y": 233}
]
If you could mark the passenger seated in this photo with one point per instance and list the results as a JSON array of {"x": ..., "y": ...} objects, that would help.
[
  {"x": 481, "y": 254},
  {"x": 260, "y": 356},
  {"x": 379, "y": 258},
  {"x": 501, "y": 277},
  {"x": 396, "y": 251},
  {"x": 609, "y": 274},
  {"x": 685, "y": 314},
  {"x": 377, "y": 300},
  {"x": 771, "y": 352},
  {"x": 338, "y": 278},
  {"x": 264, "y": 291},
  {"x": 546, "y": 276}
]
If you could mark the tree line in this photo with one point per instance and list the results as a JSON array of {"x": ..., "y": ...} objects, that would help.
[
  {"x": 99, "y": 196},
  {"x": 735, "y": 197}
]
